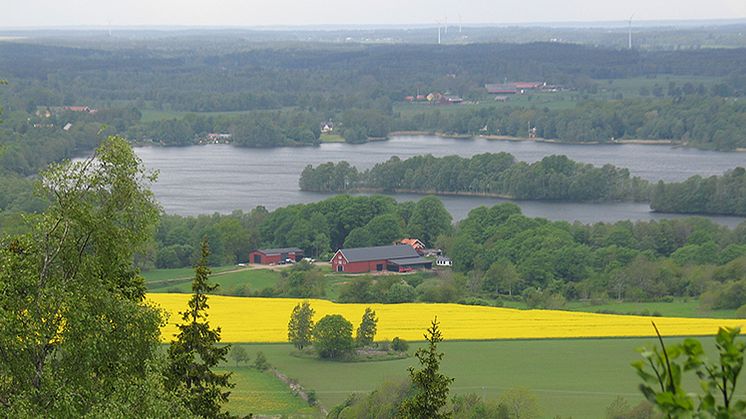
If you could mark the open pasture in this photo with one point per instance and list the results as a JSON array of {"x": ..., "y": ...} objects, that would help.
[
  {"x": 265, "y": 320},
  {"x": 575, "y": 378}
]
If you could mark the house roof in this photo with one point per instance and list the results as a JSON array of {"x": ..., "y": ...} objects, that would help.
[
  {"x": 361, "y": 254},
  {"x": 279, "y": 251},
  {"x": 411, "y": 261},
  {"x": 412, "y": 242},
  {"x": 442, "y": 259}
]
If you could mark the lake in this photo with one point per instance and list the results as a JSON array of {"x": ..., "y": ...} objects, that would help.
[{"x": 221, "y": 178}]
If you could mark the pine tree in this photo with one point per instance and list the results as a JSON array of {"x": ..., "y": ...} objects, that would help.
[
  {"x": 366, "y": 332},
  {"x": 300, "y": 327},
  {"x": 431, "y": 387},
  {"x": 195, "y": 352}
]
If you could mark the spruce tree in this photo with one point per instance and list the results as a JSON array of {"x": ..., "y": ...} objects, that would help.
[
  {"x": 195, "y": 352},
  {"x": 430, "y": 386}
]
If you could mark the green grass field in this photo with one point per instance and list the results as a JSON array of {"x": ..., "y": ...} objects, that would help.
[
  {"x": 229, "y": 279},
  {"x": 677, "y": 308},
  {"x": 261, "y": 393},
  {"x": 575, "y": 378},
  {"x": 331, "y": 138},
  {"x": 180, "y": 273}
]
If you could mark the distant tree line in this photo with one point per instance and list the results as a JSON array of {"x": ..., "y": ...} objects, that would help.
[
  {"x": 552, "y": 178},
  {"x": 724, "y": 194}
]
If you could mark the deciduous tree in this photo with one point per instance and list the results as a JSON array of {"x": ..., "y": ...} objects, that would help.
[
  {"x": 366, "y": 332},
  {"x": 300, "y": 327}
]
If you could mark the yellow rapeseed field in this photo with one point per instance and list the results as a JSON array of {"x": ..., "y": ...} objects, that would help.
[{"x": 265, "y": 320}]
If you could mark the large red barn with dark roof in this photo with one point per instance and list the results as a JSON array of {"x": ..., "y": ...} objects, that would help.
[{"x": 396, "y": 258}]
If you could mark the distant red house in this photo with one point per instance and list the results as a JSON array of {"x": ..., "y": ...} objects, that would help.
[
  {"x": 274, "y": 256},
  {"x": 395, "y": 258},
  {"x": 415, "y": 243}
]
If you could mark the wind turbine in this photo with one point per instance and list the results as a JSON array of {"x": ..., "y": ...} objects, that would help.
[
  {"x": 629, "y": 38},
  {"x": 438, "y": 23}
]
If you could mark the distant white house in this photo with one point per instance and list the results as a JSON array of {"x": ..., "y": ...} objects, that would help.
[
  {"x": 67, "y": 126},
  {"x": 443, "y": 261},
  {"x": 327, "y": 127}
]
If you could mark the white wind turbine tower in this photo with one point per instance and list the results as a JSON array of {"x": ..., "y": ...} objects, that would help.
[
  {"x": 437, "y": 22},
  {"x": 629, "y": 37}
]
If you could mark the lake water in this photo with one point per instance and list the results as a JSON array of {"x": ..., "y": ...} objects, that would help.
[{"x": 221, "y": 178}]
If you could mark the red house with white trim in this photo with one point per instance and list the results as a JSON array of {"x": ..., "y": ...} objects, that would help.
[
  {"x": 395, "y": 258},
  {"x": 274, "y": 256}
]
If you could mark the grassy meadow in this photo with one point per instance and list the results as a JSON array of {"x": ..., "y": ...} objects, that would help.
[{"x": 575, "y": 378}]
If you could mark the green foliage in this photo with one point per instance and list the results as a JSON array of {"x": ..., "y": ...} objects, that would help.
[
  {"x": 519, "y": 403},
  {"x": 431, "y": 387},
  {"x": 76, "y": 336},
  {"x": 662, "y": 381},
  {"x": 261, "y": 362},
  {"x": 383, "y": 402},
  {"x": 195, "y": 353},
  {"x": 332, "y": 337},
  {"x": 366, "y": 332},
  {"x": 238, "y": 353},
  {"x": 713, "y": 195},
  {"x": 399, "y": 345},
  {"x": 553, "y": 178},
  {"x": 300, "y": 327}
]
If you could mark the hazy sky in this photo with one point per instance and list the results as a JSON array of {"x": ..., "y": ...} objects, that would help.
[{"x": 22, "y": 13}]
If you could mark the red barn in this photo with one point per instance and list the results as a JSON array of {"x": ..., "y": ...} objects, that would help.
[
  {"x": 274, "y": 256},
  {"x": 396, "y": 258}
]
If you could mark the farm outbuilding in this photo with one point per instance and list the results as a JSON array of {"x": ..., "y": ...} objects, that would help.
[
  {"x": 274, "y": 256},
  {"x": 396, "y": 258}
]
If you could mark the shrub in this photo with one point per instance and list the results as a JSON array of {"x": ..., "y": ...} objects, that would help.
[
  {"x": 260, "y": 362},
  {"x": 741, "y": 312},
  {"x": 399, "y": 345}
]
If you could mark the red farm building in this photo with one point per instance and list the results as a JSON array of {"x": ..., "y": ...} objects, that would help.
[
  {"x": 395, "y": 258},
  {"x": 275, "y": 256}
]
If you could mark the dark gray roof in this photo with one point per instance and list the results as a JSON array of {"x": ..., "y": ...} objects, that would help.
[
  {"x": 411, "y": 261},
  {"x": 280, "y": 250},
  {"x": 360, "y": 254}
]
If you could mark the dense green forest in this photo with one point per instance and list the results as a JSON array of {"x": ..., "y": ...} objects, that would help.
[
  {"x": 724, "y": 194},
  {"x": 271, "y": 95},
  {"x": 552, "y": 178},
  {"x": 498, "y": 252}
]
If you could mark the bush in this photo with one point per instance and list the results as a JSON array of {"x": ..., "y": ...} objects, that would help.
[
  {"x": 400, "y": 293},
  {"x": 399, "y": 345},
  {"x": 741, "y": 312},
  {"x": 260, "y": 362},
  {"x": 312, "y": 400},
  {"x": 474, "y": 301}
]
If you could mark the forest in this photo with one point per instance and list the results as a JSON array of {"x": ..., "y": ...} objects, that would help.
[
  {"x": 494, "y": 174},
  {"x": 554, "y": 178},
  {"x": 268, "y": 95},
  {"x": 499, "y": 254}
]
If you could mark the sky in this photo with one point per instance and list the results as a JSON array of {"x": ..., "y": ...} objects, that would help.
[{"x": 251, "y": 13}]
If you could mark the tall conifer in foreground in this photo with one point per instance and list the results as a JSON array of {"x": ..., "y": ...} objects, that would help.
[
  {"x": 430, "y": 386},
  {"x": 195, "y": 352}
]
